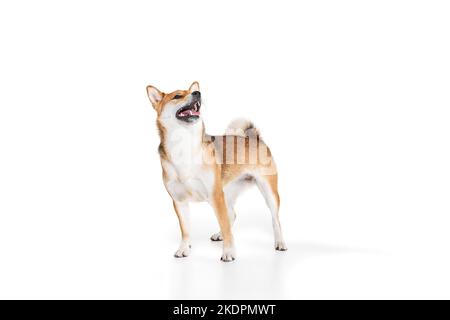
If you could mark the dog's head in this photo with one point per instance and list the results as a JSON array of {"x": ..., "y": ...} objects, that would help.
[{"x": 182, "y": 106}]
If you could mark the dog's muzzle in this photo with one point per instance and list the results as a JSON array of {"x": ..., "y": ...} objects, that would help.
[{"x": 191, "y": 111}]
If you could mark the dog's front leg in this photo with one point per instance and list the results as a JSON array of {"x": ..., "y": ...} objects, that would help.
[
  {"x": 182, "y": 210},
  {"x": 220, "y": 208}
]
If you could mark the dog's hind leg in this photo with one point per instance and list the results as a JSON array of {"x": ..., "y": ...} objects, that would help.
[
  {"x": 182, "y": 210},
  {"x": 268, "y": 185}
]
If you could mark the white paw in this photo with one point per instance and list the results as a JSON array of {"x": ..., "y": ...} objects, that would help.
[
  {"x": 280, "y": 246},
  {"x": 183, "y": 251},
  {"x": 216, "y": 237},
  {"x": 228, "y": 255}
]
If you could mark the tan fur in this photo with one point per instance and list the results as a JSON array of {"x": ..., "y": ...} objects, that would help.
[
  {"x": 182, "y": 221},
  {"x": 221, "y": 209}
]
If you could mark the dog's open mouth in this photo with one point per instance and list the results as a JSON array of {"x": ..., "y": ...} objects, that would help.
[{"x": 189, "y": 112}]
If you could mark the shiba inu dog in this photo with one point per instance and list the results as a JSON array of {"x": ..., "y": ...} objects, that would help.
[{"x": 216, "y": 169}]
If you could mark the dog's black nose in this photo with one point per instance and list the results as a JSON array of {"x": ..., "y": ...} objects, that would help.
[{"x": 196, "y": 94}]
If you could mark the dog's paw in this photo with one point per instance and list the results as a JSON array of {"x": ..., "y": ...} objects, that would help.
[
  {"x": 280, "y": 246},
  {"x": 228, "y": 255},
  {"x": 183, "y": 251},
  {"x": 216, "y": 237}
]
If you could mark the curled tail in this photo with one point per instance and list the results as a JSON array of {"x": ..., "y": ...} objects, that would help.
[{"x": 242, "y": 127}]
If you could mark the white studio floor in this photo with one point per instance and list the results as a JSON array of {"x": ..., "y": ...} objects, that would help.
[
  {"x": 381, "y": 267},
  {"x": 131, "y": 257}
]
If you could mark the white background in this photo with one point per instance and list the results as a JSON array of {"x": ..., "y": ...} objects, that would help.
[{"x": 352, "y": 96}]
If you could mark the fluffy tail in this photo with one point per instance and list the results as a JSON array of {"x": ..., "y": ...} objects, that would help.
[{"x": 242, "y": 127}]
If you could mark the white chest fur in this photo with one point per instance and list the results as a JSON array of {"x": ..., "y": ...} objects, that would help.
[{"x": 187, "y": 178}]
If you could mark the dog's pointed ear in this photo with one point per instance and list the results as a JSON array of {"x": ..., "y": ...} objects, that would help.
[
  {"x": 154, "y": 95},
  {"x": 194, "y": 87}
]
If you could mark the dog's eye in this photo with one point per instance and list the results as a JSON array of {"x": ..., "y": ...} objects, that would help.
[{"x": 177, "y": 97}]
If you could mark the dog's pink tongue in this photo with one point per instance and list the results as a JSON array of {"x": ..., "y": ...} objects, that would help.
[{"x": 190, "y": 112}]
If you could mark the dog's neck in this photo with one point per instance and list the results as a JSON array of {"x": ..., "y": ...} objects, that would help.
[{"x": 181, "y": 143}]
